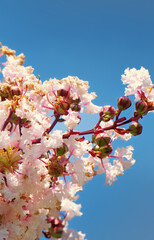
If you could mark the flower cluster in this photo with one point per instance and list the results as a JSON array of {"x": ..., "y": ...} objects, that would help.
[{"x": 42, "y": 168}]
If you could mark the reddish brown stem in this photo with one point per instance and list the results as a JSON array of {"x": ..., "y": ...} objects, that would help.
[
  {"x": 92, "y": 131},
  {"x": 96, "y": 126},
  {"x": 7, "y": 120},
  {"x": 52, "y": 125},
  {"x": 38, "y": 140}
]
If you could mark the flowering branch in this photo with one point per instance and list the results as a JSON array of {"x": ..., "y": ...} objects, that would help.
[{"x": 37, "y": 198}]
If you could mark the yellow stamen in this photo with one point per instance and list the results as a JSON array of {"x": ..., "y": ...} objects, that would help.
[{"x": 150, "y": 89}]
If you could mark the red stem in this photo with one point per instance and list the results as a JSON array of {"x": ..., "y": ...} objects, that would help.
[
  {"x": 38, "y": 140},
  {"x": 7, "y": 120},
  {"x": 52, "y": 125},
  {"x": 113, "y": 126},
  {"x": 91, "y": 131}
]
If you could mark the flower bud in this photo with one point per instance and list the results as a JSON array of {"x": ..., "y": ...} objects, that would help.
[
  {"x": 75, "y": 107},
  {"x": 135, "y": 128},
  {"x": 62, "y": 93},
  {"x": 77, "y": 100},
  {"x": 107, "y": 113},
  {"x": 62, "y": 150},
  {"x": 96, "y": 148},
  {"x": 56, "y": 228},
  {"x": 105, "y": 151},
  {"x": 135, "y": 114},
  {"x": 56, "y": 166},
  {"x": 61, "y": 106},
  {"x": 102, "y": 152},
  {"x": 141, "y": 107},
  {"x": 123, "y": 103},
  {"x": 102, "y": 139}
]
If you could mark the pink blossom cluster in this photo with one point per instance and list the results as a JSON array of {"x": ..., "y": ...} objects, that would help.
[{"x": 42, "y": 168}]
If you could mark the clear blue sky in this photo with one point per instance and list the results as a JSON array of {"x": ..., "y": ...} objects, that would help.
[{"x": 95, "y": 40}]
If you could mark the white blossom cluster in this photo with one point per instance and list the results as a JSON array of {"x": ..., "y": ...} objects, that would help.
[
  {"x": 42, "y": 169},
  {"x": 138, "y": 80}
]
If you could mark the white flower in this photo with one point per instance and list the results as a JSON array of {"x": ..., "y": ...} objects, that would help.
[
  {"x": 72, "y": 209},
  {"x": 5, "y": 139},
  {"x": 72, "y": 119},
  {"x": 137, "y": 80},
  {"x": 53, "y": 140},
  {"x": 92, "y": 108},
  {"x": 126, "y": 136},
  {"x": 107, "y": 124},
  {"x": 125, "y": 153},
  {"x": 68, "y": 190},
  {"x": 71, "y": 234},
  {"x": 82, "y": 170},
  {"x": 117, "y": 168},
  {"x": 111, "y": 172}
]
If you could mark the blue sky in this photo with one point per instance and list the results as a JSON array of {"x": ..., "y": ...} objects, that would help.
[{"x": 96, "y": 41}]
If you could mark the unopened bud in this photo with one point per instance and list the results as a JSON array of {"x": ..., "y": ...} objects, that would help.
[
  {"x": 102, "y": 152},
  {"x": 105, "y": 151},
  {"x": 123, "y": 103},
  {"x": 77, "y": 100},
  {"x": 61, "y": 106},
  {"x": 57, "y": 234},
  {"x": 135, "y": 114},
  {"x": 135, "y": 128},
  {"x": 56, "y": 228},
  {"x": 61, "y": 150},
  {"x": 75, "y": 107},
  {"x": 102, "y": 139},
  {"x": 62, "y": 93},
  {"x": 107, "y": 113},
  {"x": 141, "y": 107},
  {"x": 56, "y": 166}
]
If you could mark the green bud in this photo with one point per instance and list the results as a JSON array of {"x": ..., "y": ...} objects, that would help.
[
  {"x": 141, "y": 107},
  {"x": 76, "y": 100},
  {"x": 102, "y": 139},
  {"x": 102, "y": 152},
  {"x": 56, "y": 166},
  {"x": 56, "y": 235},
  {"x": 107, "y": 113},
  {"x": 62, "y": 150},
  {"x": 61, "y": 106},
  {"x": 75, "y": 107},
  {"x": 62, "y": 93},
  {"x": 123, "y": 103},
  {"x": 135, "y": 128},
  {"x": 96, "y": 148},
  {"x": 106, "y": 150}
]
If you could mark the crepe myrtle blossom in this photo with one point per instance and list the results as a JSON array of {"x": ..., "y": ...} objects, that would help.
[
  {"x": 42, "y": 167},
  {"x": 138, "y": 81}
]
